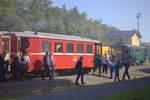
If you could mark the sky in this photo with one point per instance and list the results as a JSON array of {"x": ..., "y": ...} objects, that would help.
[{"x": 118, "y": 13}]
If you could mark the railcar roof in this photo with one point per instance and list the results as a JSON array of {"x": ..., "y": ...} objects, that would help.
[{"x": 47, "y": 35}]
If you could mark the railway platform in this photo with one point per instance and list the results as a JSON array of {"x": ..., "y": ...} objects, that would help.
[{"x": 12, "y": 88}]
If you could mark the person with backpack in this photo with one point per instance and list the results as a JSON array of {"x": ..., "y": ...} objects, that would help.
[{"x": 79, "y": 68}]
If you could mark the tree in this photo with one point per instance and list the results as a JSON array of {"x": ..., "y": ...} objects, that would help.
[{"x": 40, "y": 15}]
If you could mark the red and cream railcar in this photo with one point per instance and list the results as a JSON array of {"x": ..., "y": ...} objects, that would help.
[{"x": 65, "y": 49}]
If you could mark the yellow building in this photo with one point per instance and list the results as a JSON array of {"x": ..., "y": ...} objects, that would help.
[
  {"x": 135, "y": 40},
  {"x": 129, "y": 38}
]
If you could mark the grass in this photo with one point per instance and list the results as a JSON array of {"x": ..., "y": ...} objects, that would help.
[{"x": 136, "y": 94}]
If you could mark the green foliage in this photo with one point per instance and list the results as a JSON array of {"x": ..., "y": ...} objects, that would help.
[{"x": 40, "y": 15}]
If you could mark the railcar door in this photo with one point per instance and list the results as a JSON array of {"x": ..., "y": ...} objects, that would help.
[
  {"x": 98, "y": 49},
  {"x": 5, "y": 46}
]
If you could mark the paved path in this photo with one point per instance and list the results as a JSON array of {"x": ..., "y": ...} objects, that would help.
[
  {"x": 28, "y": 86},
  {"x": 93, "y": 92}
]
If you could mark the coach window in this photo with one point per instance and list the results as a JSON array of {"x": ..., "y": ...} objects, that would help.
[
  {"x": 79, "y": 48},
  {"x": 58, "y": 47},
  {"x": 19, "y": 44},
  {"x": 69, "y": 47},
  {"x": 88, "y": 48},
  {"x": 45, "y": 46}
]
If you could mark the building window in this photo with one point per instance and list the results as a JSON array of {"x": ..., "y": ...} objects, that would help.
[
  {"x": 69, "y": 47},
  {"x": 88, "y": 48},
  {"x": 58, "y": 47},
  {"x": 79, "y": 48},
  {"x": 45, "y": 46}
]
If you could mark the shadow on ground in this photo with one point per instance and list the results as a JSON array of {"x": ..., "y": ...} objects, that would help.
[
  {"x": 102, "y": 76},
  {"x": 29, "y": 86},
  {"x": 147, "y": 70}
]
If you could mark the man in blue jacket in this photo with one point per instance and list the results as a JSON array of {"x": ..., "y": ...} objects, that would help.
[{"x": 79, "y": 68}]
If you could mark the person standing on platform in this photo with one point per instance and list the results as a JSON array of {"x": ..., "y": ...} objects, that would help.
[
  {"x": 97, "y": 64},
  {"x": 105, "y": 64},
  {"x": 46, "y": 64},
  {"x": 2, "y": 68},
  {"x": 52, "y": 64}
]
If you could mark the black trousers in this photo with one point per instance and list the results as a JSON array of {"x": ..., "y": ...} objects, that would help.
[
  {"x": 80, "y": 73},
  {"x": 105, "y": 68}
]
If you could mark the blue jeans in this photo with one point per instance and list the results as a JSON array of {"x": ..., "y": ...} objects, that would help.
[
  {"x": 53, "y": 68},
  {"x": 111, "y": 72},
  {"x": 47, "y": 71}
]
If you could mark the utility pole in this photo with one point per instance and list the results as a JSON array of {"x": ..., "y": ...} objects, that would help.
[{"x": 138, "y": 16}]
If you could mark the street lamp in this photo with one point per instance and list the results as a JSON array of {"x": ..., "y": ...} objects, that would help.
[{"x": 138, "y": 16}]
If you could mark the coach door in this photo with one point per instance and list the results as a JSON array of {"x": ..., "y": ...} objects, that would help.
[
  {"x": 5, "y": 46},
  {"x": 98, "y": 49}
]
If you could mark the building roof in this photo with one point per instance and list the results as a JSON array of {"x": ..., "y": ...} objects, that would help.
[
  {"x": 47, "y": 35},
  {"x": 122, "y": 34}
]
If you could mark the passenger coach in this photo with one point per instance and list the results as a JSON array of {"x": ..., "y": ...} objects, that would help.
[{"x": 65, "y": 49}]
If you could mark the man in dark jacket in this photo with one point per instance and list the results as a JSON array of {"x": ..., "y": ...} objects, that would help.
[
  {"x": 79, "y": 68},
  {"x": 2, "y": 68},
  {"x": 97, "y": 64},
  {"x": 46, "y": 64},
  {"x": 126, "y": 58}
]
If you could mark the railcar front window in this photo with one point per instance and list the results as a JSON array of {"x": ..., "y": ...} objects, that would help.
[
  {"x": 79, "y": 48},
  {"x": 88, "y": 48},
  {"x": 58, "y": 47},
  {"x": 45, "y": 46},
  {"x": 69, "y": 47},
  {"x": 6, "y": 45}
]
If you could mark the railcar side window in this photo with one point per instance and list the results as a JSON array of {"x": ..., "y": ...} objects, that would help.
[
  {"x": 88, "y": 48},
  {"x": 58, "y": 47},
  {"x": 45, "y": 46},
  {"x": 79, "y": 48},
  {"x": 69, "y": 47}
]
